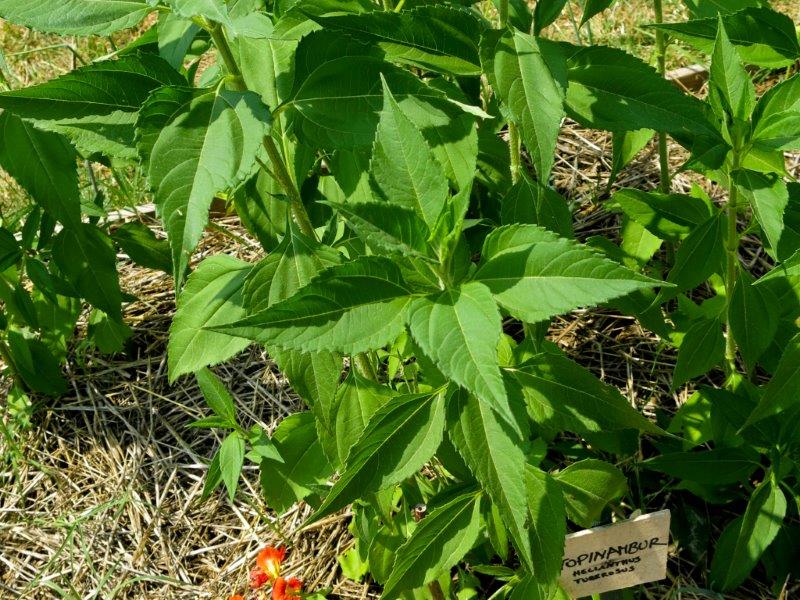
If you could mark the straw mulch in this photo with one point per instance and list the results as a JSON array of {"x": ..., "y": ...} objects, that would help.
[
  {"x": 105, "y": 499},
  {"x": 101, "y": 499}
]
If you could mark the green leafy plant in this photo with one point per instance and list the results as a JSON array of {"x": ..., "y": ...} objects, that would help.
[{"x": 413, "y": 262}]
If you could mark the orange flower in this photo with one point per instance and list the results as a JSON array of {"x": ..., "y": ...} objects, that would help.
[
  {"x": 284, "y": 589},
  {"x": 269, "y": 561},
  {"x": 236, "y": 597},
  {"x": 258, "y": 578}
]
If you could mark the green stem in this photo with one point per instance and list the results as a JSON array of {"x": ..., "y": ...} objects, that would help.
[
  {"x": 281, "y": 172},
  {"x": 661, "y": 59},
  {"x": 514, "y": 146},
  {"x": 514, "y": 149},
  {"x": 503, "y": 10},
  {"x": 574, "y": 22},
  {"x": 224, "y": 49},
  {"x": 732, "y": 264},
  {"x": 287, "y": 183}
]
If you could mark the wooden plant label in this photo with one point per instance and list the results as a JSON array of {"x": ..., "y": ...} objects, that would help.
[{"x": 616, "y": 556}]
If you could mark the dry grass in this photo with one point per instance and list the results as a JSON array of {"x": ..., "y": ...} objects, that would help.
[{"x": 101, "y": 499}]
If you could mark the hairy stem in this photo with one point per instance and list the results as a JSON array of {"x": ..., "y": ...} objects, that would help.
[
  {"x": 287, "y": 183},
  {"x": 514, "y": 147},
  {"x": 515, "y": 151},
  {"x": 661, "y": 59},
  {"x": 503, "y": 13},
  {"x": 732, "y": 264},
  {"x": 225, "y": 52},
  {"x": 280, "y": 171}
]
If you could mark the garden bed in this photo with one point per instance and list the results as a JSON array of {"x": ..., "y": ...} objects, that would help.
[{"x": 103, "y": 498}]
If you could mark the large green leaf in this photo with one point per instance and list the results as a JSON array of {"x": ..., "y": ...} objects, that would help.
[
  {"x": 529, "y": 201},
  {"x": 80, "y": 17},
  {"x": 776, "y": 119},
  {"x": 314, "y": 376},
  {"x": 44, "y": 164},
  {"x": 100, "y": 88},
  {"x": 548, "y": 524},
  {"x": 704, "y": 9},
  {"x": 350, "y": 308},
  {"x": 213, "y": 295},
  {"x": 214, "y": 10},
  {"x": 700, "y": 255},
  {"x": 438, "y": 543},
  {"x": 436, "y": 37},
  {"x": 304, "y": 469},
  {"x": 355, "y": 402},
  {"x": 720, "y": 466},
  {"x": 609, "y": 89},
  {"x": 142, "y": 246},
  {"x": 530, "y": 76},
  {"x": 387, "y": 227},
  {"x": 210, "y": 148},
  {"x": 745, "y": 539},
  {"x": 403, "y": 167},
  {"x": 787, "y": 269},
  {"x": 336, "y": 98},
  {"x": 594, "y": 7},
  {"x": 88, "y": 260},
  {"x": 35, "y": 364},
  {"x": 175, "y": 36},
  {"x": 460, "y": 329},
  {"x": 562, "y": 394},
  {"x": 768, "y": 196},
  {"x": 113, "y": 134},
  {"x": 285, "y": 270},
  {"x": 701, "y": 350},
  {"x": 589, "y": 486},
  {"x": 762, "y": 36},
  {"x": 753, "y": 319},
  {"x": 730, "y": 84},
  {"x": 493, "y": 451},
  {"x": 162, "y": 106},
  {"x": 10, "y": 251},
  {"x": 668, "y": 216},
  {"x": 399, "y": 439},
  {"x": 546, "y": 12},
  {"x": 783, "y": 390},
  {"x": 537, "y": 275}
]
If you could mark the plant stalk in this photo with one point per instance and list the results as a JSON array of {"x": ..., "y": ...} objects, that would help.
[
  {"x": 224, "y": 49},
  {"x": 661, "y": 59},
  {"x": 732, "y": 264},
  {"x": 514, "y": 147},
  {"x": 280, "y": 172},
  {"x": 287, "y": 183},
  {"x": 515, "y": 151},
  {"x": 503, "y": 13}
]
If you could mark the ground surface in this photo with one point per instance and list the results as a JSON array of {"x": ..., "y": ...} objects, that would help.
[{"x": 101, "y": 499}]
